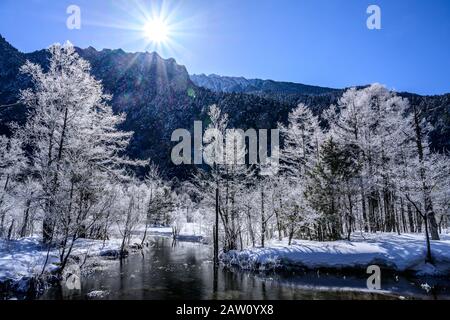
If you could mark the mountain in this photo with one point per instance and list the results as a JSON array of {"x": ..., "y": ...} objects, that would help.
[
  {"x": 135, "y": 80},
  {"x": 146, "y": 74},
  {"x": 218, "y": 83},
  {"x": 437, "y": 108},
  {"x": 158, "y": 96},
  {"x": 10, "y": 61}
]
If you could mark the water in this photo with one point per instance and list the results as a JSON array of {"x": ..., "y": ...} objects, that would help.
[{"x": 184, "y": 271}]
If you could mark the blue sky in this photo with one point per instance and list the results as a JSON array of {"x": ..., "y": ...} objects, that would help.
[{"x": 319, "y": 42}]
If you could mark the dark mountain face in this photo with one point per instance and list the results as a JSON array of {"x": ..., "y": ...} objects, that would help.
[
  {"x": 156, "y": 94},
  {"x": 145, "y": 75},
  {"x": 158, "y": 97},
  {"x": 10, "y": 62}
]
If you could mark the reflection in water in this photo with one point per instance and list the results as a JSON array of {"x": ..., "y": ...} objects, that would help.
[
  {"x": 169, "y": 270},
  {"x": 215, "y": 279}
]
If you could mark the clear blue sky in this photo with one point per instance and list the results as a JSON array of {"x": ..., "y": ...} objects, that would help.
[{"x": 319, "y": 42}]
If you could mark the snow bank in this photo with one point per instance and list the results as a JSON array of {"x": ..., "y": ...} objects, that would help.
[
  {"x": 400, "y": 253},
  {"x": 97, "y": 294},
  {"x": 23, "y": 258},
  {"x": 21, "y": 261},
  {"x": 190, "y": 232}
]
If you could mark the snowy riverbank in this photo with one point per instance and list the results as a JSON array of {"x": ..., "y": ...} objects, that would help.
[
  {"x": 22, "y": 261},
  {"x": 404, "y": 253},
  {"x": 189, "y": 232}
]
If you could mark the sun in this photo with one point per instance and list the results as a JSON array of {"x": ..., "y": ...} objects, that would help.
[
  {"x": 156, "y": 30},
  {"x": 155, "y": 26}
]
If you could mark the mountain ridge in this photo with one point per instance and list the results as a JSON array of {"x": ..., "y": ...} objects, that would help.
[
  {"x": 229, "y": 84},
  {"x": 158, "y": 96}
]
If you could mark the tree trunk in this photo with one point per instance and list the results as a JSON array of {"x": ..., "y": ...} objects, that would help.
[
  {"x": 216, "y": 230},
  {"x": 252, "y": 234},
  {"x": 47, "y": 229},
  {"x": 429, "y": 257},
  {"x": 410, "y": 218},
  {"x": 291, "y": 234},
  {"x": 23, "y": 231},
  {"x": 428, "y": 204},
  {"x": 277, "y": 216},
  {"x": 10, "y": 230},
  {"x": 430, "y": 216},
  {"x": 263, "y": 219}
]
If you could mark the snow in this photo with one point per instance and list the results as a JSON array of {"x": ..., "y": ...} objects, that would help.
[
  {"x": 189, "y": 232},
  {"x": 396, "y": 252},
  {"x": 193, "y": 229},
  {"x": 192, "y": 232},
  {"x": 22, "y": 258},
  {"x": 25, "y": 258},
  {"x": 97, "y": 294}
]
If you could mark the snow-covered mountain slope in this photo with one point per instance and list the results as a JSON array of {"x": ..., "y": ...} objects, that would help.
[{"x": 219, "y": 83}]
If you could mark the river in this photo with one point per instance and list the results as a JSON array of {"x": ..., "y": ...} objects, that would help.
[{"x": 183, "y": 270}]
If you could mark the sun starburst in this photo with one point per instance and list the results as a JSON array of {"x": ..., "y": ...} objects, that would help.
[{"x": 157, "y": 30}]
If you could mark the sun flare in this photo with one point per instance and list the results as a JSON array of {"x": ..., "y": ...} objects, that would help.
[{"x": 156, "y": 30}]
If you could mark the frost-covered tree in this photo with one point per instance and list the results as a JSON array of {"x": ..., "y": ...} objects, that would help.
[
  {"x": 426, "y": 166},
  {"x": 157, "y": 201},
  {"x": 221, "y": 185},
  {"x": 424, "y": 185},
  {"x": 131, "y": 210},
  {"x": 329, "y": 190},
  {"x": 12, "y": 162},
  {"x": 298, "y": 214},
  {"x": 369, "y": 125},
  {"x": 302, "y": 139},
  {"x": 75, "y": 148}
]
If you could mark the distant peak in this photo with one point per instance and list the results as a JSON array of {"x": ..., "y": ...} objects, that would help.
[
  {"x": 5, "y": 42},
  {"x": 91, "y": 49},
  {"x": 5, "y": 46},
  {"x": 154, "y": 53},
  {"x": 142, "y": 54},
  {"x": 241, "y": 84}
]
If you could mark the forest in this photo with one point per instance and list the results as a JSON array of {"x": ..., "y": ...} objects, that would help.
[{"x": 363, "y": 165}]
